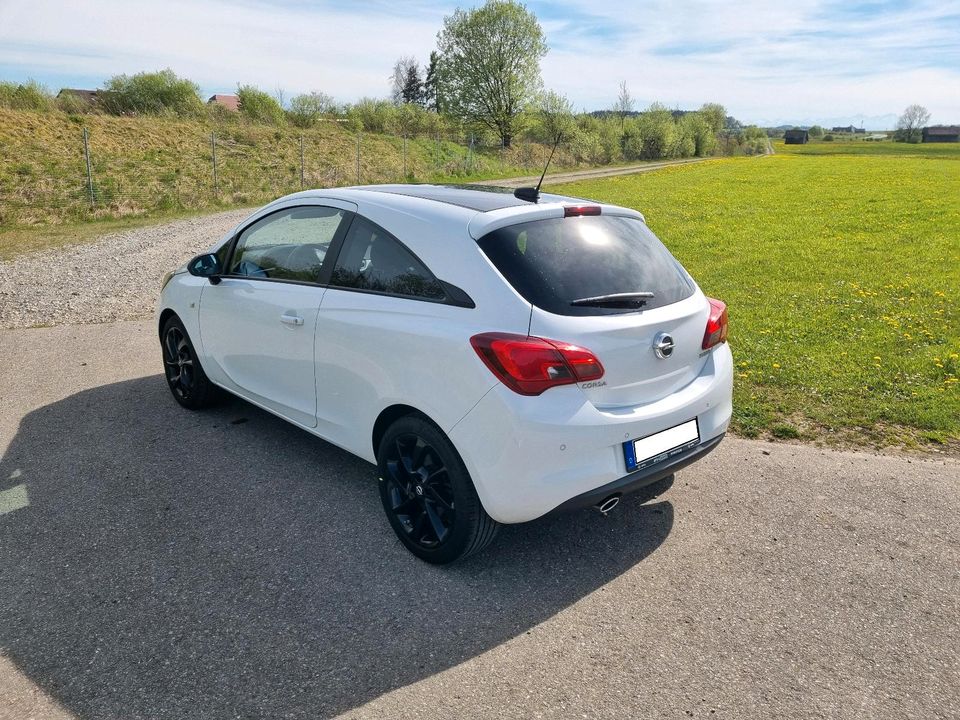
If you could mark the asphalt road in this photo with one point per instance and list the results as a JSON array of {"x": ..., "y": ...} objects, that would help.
[{"x": 157, "y": 563}]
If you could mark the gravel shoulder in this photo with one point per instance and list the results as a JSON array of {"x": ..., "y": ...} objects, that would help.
[{"x": 103, "y": 281}]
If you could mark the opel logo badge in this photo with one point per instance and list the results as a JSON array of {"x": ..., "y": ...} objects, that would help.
[{"x": 663, "y": 345}]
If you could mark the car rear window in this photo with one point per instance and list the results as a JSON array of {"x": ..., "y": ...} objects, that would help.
[{"x": 553, "y": 262}]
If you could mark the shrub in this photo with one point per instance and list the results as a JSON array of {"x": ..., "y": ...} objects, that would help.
[
  {"x": 816, "y": 131},
  {"x": 30, "y": 95},
  {"x": 371, "y": 115},
  {"x": 411, "y": 120},
  {"x": 657, "y": 133},
  {"x": 152, "y": 93},
  {"x": 828, "y": 137},
  {"x": 306, "y": 110},
  {"x": 699, "y": 131},
  {"x": 257, "y": 106}
]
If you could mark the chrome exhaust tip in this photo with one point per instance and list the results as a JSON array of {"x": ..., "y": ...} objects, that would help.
[{"x": 608, "y": 504}]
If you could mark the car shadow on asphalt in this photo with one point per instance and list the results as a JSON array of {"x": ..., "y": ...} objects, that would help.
[{"x": 226, "y": 564}]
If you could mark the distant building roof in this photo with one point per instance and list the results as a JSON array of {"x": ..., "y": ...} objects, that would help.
[
  {"x": 230, "y": 102},
  {"x": 88, "y": 96},
  {"x": 942, "y": 130}
]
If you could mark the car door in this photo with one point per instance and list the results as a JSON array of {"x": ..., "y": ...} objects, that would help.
[
  {"x": 257, "y": 324},
  {"x": 385, "y": 331}
]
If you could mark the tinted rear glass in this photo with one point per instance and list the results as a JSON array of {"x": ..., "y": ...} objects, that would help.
[{"x": 553, "y": 262}]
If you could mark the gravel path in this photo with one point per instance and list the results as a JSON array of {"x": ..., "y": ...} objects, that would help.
[
  {"x": 114, "y": 278},
  {"x": 556, "y": 178}
]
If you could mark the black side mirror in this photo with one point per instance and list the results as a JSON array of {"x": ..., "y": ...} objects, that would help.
[{"x": 207, "y": 266}]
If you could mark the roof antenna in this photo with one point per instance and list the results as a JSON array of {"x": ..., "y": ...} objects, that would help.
[{"x": 533, "y": 194}]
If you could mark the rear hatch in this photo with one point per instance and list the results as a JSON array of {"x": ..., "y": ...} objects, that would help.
[{"x": 606, "y": 283}]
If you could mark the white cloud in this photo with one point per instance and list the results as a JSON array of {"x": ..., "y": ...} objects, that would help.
[{"x": 771, "y": 63}]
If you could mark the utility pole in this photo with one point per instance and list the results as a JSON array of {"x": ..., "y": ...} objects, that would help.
[{"x": 404, "y": 158}]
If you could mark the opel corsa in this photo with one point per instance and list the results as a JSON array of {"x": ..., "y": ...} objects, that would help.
[{"x": 497, "y": 358}]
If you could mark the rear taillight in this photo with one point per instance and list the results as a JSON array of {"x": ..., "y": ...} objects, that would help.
[
  {"x": 530, "y": 365},
  {"x": 716, "y": 331}
]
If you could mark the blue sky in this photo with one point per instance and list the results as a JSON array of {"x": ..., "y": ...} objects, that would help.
[{"x": 768, "y": 63}]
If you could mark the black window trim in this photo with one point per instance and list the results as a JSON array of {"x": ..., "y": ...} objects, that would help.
[
  {"x": 453, "y": 295},
  {"x": 231, "y": 245}
]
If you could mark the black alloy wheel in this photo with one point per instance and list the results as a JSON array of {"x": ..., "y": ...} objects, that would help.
[
  {"x": 421, "y": 496},
  {"x": 427, "y": 493},
  {"x": 181, "y": 367},
  {"x": 178, "y": 362}
]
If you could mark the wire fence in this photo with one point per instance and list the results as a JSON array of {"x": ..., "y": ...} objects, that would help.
[{"x": 102, "y": 174}]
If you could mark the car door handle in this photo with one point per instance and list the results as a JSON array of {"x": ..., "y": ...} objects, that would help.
[{"x": 291, "y": 319}]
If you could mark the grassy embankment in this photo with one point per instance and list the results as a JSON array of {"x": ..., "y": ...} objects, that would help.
[
  {"x": 150, "y": 168},
  {"x": 840, "y": 264}
]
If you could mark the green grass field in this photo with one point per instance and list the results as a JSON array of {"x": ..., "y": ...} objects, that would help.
[{"x": 841, "y": 270}]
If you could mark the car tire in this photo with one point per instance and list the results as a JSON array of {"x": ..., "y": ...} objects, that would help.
[
  {"x": 427, "y": 494},
  {"x": 185, "y": 376}
]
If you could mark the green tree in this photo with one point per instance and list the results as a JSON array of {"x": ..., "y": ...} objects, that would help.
[
  {"x": 430, "y": 83},
  {"x": 715, "y": 115},
  {"x": 400, "y": 75},
  {"x": 556, "y": 116},
  {"x": 815, "y": 131},
  {"x": 911, "y": 123},
  {"x": 306, "y": 110},
  {"x": 152, "y": 93},
  {"x": 698, "y": 128},
  {"x": 490, "y": 65},
  {"x": 258, "y": 106},
  {"x": 657, "y": 132},
  {"x": 412, "y": 92},
  {"x": 624, "y": 105}
]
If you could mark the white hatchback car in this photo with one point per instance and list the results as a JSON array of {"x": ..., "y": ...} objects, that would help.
[{"x": 498, "y": 359}]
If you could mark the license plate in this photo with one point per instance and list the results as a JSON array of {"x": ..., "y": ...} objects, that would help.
[{"x": 661, "y": 446}]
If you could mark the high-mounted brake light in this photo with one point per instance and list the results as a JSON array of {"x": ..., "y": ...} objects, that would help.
[
  {"x": 716, "y": 331},
  {"x": 530, "y": 365},
  {"x": 580, "y": 210}
]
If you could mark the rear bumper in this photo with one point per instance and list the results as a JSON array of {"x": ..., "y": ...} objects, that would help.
[
  {"x": 641, "y": 478},
  {"x": 530, "y": 455}
]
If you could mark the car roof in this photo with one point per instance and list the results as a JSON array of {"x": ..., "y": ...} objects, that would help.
[
  {"x": 482, "y": 198},
  {"x": 481, "y": 208}
]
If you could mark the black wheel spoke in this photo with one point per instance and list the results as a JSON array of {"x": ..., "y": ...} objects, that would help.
[
  {"x": 418, "y": 525},
  {"x": 405, "y": 505},
  {"x": 418, "y": 492},
  {"x": 171, "y": 345},
  {"x": 439, "y": 529},
  {"x": 439, "y": 499}
]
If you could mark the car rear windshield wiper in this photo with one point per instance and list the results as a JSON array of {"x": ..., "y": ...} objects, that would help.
[{"x": 629, "y": 299}]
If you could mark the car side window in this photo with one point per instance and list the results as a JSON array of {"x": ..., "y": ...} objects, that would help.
[
  {"x": 372, "y": 259},
  {"x": 287, "y": 245}
]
